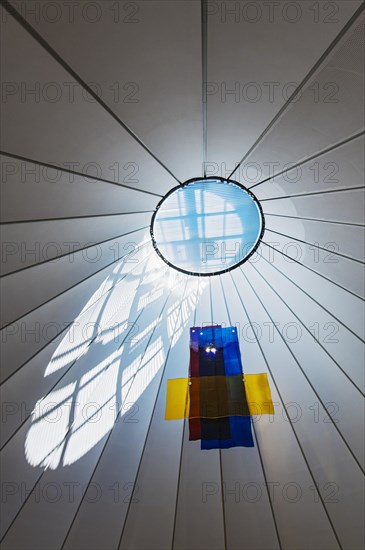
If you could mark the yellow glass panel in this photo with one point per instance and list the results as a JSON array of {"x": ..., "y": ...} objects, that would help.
[
  {"x": 177, "y": 399},
  {"x": 217, "y": 397},
  {"x": 179, "y": 394},
  {"x": 258, "y": 394}
]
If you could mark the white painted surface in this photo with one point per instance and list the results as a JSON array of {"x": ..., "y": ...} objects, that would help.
[{"x": 183, "y": 498}]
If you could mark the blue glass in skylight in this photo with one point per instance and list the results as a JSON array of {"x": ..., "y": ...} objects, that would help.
[{"x": 207, "y": 226}]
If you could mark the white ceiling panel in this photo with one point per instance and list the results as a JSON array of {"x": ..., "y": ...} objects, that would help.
[
  {"x": 144, "y": 58},
  {"x": 49, "y": 126},
  {"x": 341, "y": 168},
  {"x": 328, "y": 110},
  {"x": 49, "y": 193},
  {"x": 261, "y": 51},
  {"x": 110, "y": 92},
  {"x": 27, "y": 244}
]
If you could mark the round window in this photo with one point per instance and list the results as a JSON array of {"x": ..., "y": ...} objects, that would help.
[{"x": 207, "y": 226}]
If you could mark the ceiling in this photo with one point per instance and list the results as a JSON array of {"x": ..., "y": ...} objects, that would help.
[{"x": 106, "y": 106}]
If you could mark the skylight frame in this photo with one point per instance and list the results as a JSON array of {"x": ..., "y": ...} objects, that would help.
[{"x": 227, "y": 269}]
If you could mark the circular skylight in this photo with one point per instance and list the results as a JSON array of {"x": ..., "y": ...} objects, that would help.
[{"x": 207, "y": 226}]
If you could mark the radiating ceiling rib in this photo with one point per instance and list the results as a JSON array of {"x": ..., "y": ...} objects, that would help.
[
  {"x": 296, "y": 431},
  {"x": 219, "y": 450},
  {"x": 86, "y": 365},
  {"x": 48, "y": 194},
  {"x": 117, "y": 418},
  {"x": 194, "y": 528},
  {"x": 37, "y": 220},
  {"x": 161, "y": 481},
  {"x": 204, "y": 37},
  {"x": 347, "y": 273},
  {"x": 310, "y": 158},
  {"x": 314, "y": 219},
  {"x": 69, "y": 324},
  {"x": 314, "y": 300},
  {"x": 337, "y": 300},
  {"x": 309, "y": 331},
  {"x": 340, "y": 343},
  {"x": 49, "y": 390},
  {"x": 69, "y": 253},
  {"x": 255, "y": 434},
  {"x": 309, "y": 75},
  {"x": 314, "y": 271},
  {"x": 20, "y": 509},
  {"x": 43, "y": 241},
  {"x": 224, "y": 514},
  {"x": 163, "y": 66},
  {"x": 84, "y": 84},
  {"x": 153, "y": 412},
  {"x": 332, "y": 172},
  {"x": 78, "y": 282},
  {"x": 25, "y": 500},
  {"x": 75, "y": 173},
  {"x": 314, "y": 193},
  {"x": 185, "y": 427},
  {"x": 347, "y": 240},
  {"x": 317, "y": 246},
  {"x": 284, "y": 406},
  {"x": 302, "y": 370},
  {"x": 181, "y": 452},
  {"x": 130, "y": 440}
]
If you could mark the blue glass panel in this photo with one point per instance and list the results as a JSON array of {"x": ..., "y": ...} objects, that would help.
[
  {"x": 231, "y": 351},
  {"x": 211, "y": 358},
  {"x": 241, "y": 435},
  {"x": 215, "y": 429}
]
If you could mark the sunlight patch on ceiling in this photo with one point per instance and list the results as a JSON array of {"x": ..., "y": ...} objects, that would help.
[{"x": 109, "y": 358}]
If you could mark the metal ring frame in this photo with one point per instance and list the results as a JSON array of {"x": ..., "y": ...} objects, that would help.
[{"x": 186, "y": 183}]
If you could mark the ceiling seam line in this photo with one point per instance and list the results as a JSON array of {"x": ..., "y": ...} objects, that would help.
[
  {"x": 104, "y": 370},
  {"x": 75, "y": 173},
  {"x": 182, "y": 447},
  {"x": 178, "y": 483},
  {"x": 314, "y": 219},
  {"x": 204, "y": 46},
  {"x": 59, "y": 444},
  {"x": 313, "y": 193},
  {"x": 65, "y": 437},
  {"x": 211, "y": 301},
  {"x": 152, "y": 416},
  {"x": 67, "y": 326},
  {"x": 64, "y": 374},
  {"x": 290, "y": 421},
  {"x": 314, "y": 300},
  {"x": 308, "y": 76},
  {"x": 71, "y": 287},
  {"x": 19, "y": 270},
  {"x": 310, "y": 158},
  {"x": 257, "y": 443},
  {"x": 38, "y": 479},
  {"x": 57, "y": 57},
  {"x": 314, "y": 271},
  {"x": 223, "y": 501},
  {"x": 308, "y": 380},
  {"x": 220, "y": 450},
  {"x": 116, "y": 419},
  {"x": 350, "y": 258},
  {"x": 310, "y": 333},
  {"x": 40, "y": 220}
]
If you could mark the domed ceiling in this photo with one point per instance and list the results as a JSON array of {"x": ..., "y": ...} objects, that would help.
[{"x": 106, "y": 107}]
